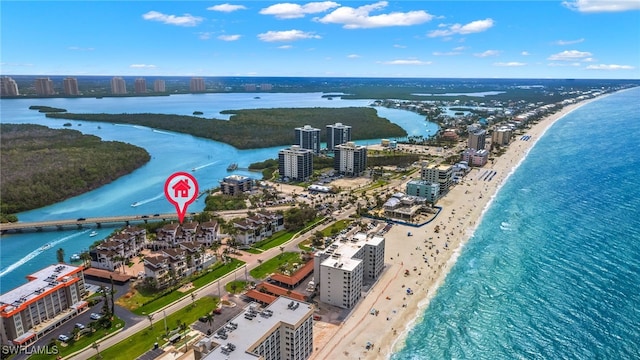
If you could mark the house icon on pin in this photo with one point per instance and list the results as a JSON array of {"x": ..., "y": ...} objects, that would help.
[{"x": 181, "y": 188}]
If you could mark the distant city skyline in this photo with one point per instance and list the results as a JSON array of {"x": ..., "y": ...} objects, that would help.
[{"x": 432, "y": 39}]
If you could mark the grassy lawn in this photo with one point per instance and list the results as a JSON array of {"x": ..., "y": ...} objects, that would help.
[
  {"x": 276, "y": 239},
  {"x": 335, "y": 227},
  {"x": 145, "y": 301},
  {"x": 235, "y": 287},
  {"x": 253, "y": 251},
  {"x": 272, "y": 265},
  {"x": 142, "y": 341},
  {"x": 83, "y": 342}
]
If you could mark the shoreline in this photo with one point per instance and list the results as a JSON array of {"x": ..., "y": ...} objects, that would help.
[{"x": 442, "y": 252}]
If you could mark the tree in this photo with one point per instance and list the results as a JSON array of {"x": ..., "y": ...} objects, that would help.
[
  {"x": 86, "y": 258},
  {"x": 60, "y": 255},
  {"x": 209, "y": 318},
  {"x": 113, "y": 303}
]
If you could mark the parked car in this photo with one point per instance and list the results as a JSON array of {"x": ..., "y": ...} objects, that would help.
[
  {"x": 79, "y": 326},
  {"x": 63, "y": 338},
  {"x": 95, "y": 316}
]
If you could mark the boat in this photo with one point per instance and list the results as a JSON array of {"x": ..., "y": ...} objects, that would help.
[
  {"x": 93, "y": 233},
  {"x": 45, "y": 247},
  {"x": 194, "y": 169},
  {"x": 135, "y": 204},
  {"x": 75, "y": 257},
  {"x": 257, "y": 97},
  {"x": 232, "y": 167}
]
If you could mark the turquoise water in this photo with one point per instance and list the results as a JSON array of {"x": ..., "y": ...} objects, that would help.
[
  {"x": 553, "y": 270},
  {"x": 20, "y": 254}
]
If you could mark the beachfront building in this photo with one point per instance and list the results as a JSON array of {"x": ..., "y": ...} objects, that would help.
[
  {"x": 44, "y": 87},
  {"x": 424, "y": 189},
  {"x": 475, "y": 157},
  {"x": 52, "y": 296},
  {"x": 168, "y": 266},
  {"x": 140, "y": 86},
  {"x": 236, "y": 184},
  {"x": 70, "y": 86},
  {"x": 342, "y": 269},
  {"x": 172, "y": 235},
  {"x": 404, "y": 207},
  {"x": 295, "y": 163},
  {"x": 196, "y": 84},
  {"x": 440, "y": 174},
  {"x": 8, "y": 87},
  {"x": 350, "y": 159},
  {"x": 118, "y": 86},
  {"x": 308, "y": 137},
  {"x": 337, "y": 134},
  {"x": 159, "y": 86},
  {"x": 257, "y": 227},
  {"x": 501, "y": 135},
  {"x": 282, "y": 330},
  {"x": 477, "y": 139}
]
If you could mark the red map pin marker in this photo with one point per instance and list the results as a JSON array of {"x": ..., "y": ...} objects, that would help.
[{"x": 181, "y": 189}]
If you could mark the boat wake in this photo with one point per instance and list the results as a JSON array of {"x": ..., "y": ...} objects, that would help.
[
  {"x": 163, "y": 132},
  {"x": 146, "y": 201},
  {"x": 37, "y": 252},
  {"x": 205, "y": 165},
  {"x": 505, "y": 226}
]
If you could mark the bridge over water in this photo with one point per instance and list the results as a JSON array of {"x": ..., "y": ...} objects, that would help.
[{"x": 84, "y": 222}]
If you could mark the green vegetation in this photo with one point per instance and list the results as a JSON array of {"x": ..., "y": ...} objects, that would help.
[
  {"x": 274, "y": 240},
  {"x": 143, "y": 340},
  {"x": 225, "y": 202},
  {"x": 86, "y": 339},
  {"x": 297, "y": 217},
  {"x": 235, "y": 287},
  {"x": 276, "y": 264},
  {"x": 46, "y": 109},
  {"x": 42, "y": 166},
  {"x": 257, "y": 128},
  {"x": 146, "y": 300}
]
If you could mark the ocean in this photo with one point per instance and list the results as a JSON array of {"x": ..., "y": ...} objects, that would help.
[{"x": 553, "y": 269}]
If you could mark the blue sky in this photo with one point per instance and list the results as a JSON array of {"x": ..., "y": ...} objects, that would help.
[{"x": 486, "y": 39}]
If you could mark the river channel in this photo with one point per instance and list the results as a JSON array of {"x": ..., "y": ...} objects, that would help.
[{"x": 21, "y": 254}]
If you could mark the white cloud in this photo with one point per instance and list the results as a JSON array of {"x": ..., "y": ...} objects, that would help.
[
  {"x": 293, "y": 11},
  {"x": 610, "y": 67},
  {"x": 285, "y": 47},
  {"x": 398, "y": 46},
  {"x": 288, "y": 35},
  {"x": 509, "y": 64},
  {"x": 569, "y": 55},
  {"x": 229, "y": 37},
  {"x": 569, "y": 42},
  {"x": 142, "y": 66},
  {"x": 227, "y": 8},
  {"x": 184, "y": 20},
  {"x": 459, "y": 48},
  {"x": 588, "y": 59},
  {"x": 592, "y": 6},
  {"x": 353, "y": 56},
  {"x": 563, "y": 64},
  {"x": 205, "y": 35},
  {"x": 448, "y": 53},
  {"x": 470, "y": 28},
  {"x": 525, "y": 53},
  {"x": 360, "y": 18},
  {"x": 487, "y": 53},
  {"x": 406, "y": 62}
]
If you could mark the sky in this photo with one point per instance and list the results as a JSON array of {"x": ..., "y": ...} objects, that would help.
[{"x": 433, "y": 39}]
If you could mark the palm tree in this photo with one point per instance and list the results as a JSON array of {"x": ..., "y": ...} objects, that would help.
[
  {"x": 60, "y": 255},
  {"x": 86, "y": 258},
  {"x": 209, "y": 318}
]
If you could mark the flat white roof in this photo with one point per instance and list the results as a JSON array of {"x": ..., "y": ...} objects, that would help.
[{"x": 250, "y": 333}]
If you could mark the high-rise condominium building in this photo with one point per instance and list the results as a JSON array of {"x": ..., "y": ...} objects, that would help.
[
  {"x": 70, "y": 85},
  {"x": 342, "y": 269},
  {"x": 140, "y": 86},
  {"x": 439, "y": 174},
  {"x": 350, "y": 159},
  {"x": 295, "y": 163},
  {"x": 308, "y": 137},
  {"x": 196, "y": 84},
  {"x": 477, "y": 139},
  {"x": 52, "y": 296},
  {"x": 159, "y": 86},
  {"x": 44, "y": 87},
  {"x": 282, "y": 330},
  {"x": 337, "y": 134},
  {"x": 8, "y": 87},
  {"x": 118, "y": 86}
]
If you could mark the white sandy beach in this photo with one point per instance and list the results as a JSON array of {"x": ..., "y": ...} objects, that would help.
[{"x": 397, "y": 311}]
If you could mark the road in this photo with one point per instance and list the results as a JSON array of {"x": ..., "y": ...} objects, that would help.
[{"x": 251, "y": 260}]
